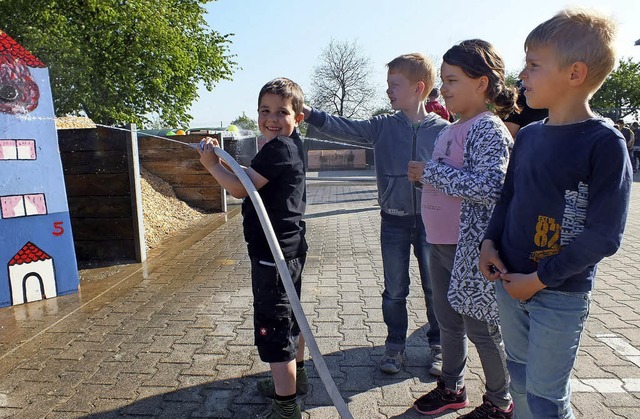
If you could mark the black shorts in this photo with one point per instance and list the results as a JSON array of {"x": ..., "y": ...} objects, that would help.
[{"x": 276, "y": 330}]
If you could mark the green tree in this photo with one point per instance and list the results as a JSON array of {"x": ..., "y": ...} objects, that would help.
[
  {"x": 244, "y": 122},
  {"x": 154, "y": 122},
  {"x": 619, "y": 96},
  {"x": 118, "y": 61},
  {"x": 383, "y": 111},
  {"x": 511, "y": 77}
]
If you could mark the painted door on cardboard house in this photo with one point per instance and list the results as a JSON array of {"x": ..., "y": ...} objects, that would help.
[{"x": 37, "y": 257}]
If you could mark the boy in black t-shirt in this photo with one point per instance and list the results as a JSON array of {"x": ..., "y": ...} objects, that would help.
[{"x": 278, "y": 173}]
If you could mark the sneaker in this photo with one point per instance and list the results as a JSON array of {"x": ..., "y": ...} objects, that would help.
[
  {"x": 435, "y": 368},
  {"x": 488, "y": 410},
  {"x": 391, "y": 361},
  {"x": 276, "y": 412},
  {"x": 440, "y": 399},
  {"x": 267, "y": 388}
]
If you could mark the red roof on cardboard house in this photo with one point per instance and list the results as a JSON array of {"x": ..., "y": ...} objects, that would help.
[
  {"x": 29, "y": 253},
  {"x": 17, "y": 51}
]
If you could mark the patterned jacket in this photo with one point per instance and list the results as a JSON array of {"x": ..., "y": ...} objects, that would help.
[{"x": 478, "y": 183}]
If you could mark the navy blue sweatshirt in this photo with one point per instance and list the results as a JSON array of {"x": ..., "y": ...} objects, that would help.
[{"x": 564, "y": 203}]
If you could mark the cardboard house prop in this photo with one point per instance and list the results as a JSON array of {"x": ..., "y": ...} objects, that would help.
[{"x": 37, "y": 257}]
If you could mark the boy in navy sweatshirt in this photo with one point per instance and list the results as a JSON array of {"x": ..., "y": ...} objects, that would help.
[{"x": 563, "y": 208}]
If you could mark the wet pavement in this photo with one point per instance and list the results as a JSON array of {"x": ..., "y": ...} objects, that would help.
[{"x": 172, "y": 338}]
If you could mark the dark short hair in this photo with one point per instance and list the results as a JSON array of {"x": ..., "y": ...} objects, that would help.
[
  {"x": 620, "y": 121},
  {"x": 286, "y": 89},
  {"x": 434, "y": 92}
]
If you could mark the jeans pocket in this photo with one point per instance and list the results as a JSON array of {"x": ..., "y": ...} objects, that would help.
[{"x": 575, "y": 301}]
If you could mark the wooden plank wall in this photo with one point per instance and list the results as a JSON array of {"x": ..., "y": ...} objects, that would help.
[
  {"x": 180, "y": 166},
  {"x": 101, "y": 192},
  {"x": 103, "y": 186}
]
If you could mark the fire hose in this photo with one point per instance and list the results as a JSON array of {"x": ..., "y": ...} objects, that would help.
[{"x": 281, "y": 265}]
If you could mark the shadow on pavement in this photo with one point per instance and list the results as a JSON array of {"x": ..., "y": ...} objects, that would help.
[
  {"x": 370, "y": 190},
  {"x": 338, "y": 212},
  {"x": 354, "y": 371},
  {"x": 318, "y": 202}
]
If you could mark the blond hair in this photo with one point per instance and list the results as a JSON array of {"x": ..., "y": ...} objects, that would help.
[
  {"x": 415, "y": 67},
  {"x": 579, "y": 35}
]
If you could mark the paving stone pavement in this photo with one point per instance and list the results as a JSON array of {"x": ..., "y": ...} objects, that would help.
[{"x": 172, "y": 338}]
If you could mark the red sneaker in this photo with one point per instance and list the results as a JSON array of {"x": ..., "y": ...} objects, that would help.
[{"x": 440, "y": 399}]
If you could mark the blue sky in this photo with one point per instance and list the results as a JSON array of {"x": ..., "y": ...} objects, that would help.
[{"x": 274, "y": 38}]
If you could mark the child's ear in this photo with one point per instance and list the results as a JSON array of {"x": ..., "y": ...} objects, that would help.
[
  {"x": 578, "y": 73},
  {"x": 420, "y": 87},
  {"x": 299, "y": 117},
  {"x": 483, "y": 84}
]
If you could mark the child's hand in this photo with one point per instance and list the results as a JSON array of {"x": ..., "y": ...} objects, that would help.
[
  {"x": 522, "y": 286},
  {"x": 207, "y": 156},
  {"x": 490, "y": 263},
  {"x": 414, "y": 171}
]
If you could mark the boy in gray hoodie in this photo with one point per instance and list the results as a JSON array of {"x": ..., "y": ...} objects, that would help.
[{"x": 397, "y": 139}]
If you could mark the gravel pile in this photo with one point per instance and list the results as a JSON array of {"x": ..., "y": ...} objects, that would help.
[
  {"x": 163, "y": 213},
  {"x": 74, "y": 122}
]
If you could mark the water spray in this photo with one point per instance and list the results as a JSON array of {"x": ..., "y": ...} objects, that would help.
[{"x": 192, "y": 145}]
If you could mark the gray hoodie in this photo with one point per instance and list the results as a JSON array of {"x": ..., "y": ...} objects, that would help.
[{"x": 395, "y": 142}]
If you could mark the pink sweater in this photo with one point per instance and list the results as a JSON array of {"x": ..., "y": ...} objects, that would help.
[{"x": 441, "y": 212}]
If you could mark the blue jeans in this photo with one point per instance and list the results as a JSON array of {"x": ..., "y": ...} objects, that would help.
[
  {"x": 396, "y": 241},
  {"x": 542, "y": 336}
]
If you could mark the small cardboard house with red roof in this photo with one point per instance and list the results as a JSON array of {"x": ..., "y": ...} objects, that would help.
[
  {"x": 37, "y": 256},
  {"x": 31, "y": 275}
]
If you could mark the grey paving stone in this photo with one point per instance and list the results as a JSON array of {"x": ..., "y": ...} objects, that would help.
[{"x": 177, "y": 339}]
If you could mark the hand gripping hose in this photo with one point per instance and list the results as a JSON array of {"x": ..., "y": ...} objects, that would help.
[{"x": 281, "y": 265}]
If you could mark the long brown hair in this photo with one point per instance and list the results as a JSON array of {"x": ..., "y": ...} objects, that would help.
[{"x": 479, "y": 58}]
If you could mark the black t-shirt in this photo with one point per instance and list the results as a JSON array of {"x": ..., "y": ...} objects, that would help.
[
  {"x": 527, "y": 115},
  {"x": 281, "y": 162}
]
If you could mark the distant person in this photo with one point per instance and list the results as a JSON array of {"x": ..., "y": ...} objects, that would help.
[
  {"x": 524, "y": 115},
  {"x": 278, "y": 173},
  {"x": 563, "y": 208},
  {"x": 433, "y": 105},
  {"x": 629, "y": 136},
  {"x": 635, "y": 160},
  {"x": 462, "y": 183},
  {"x": 406, "y": 135}
]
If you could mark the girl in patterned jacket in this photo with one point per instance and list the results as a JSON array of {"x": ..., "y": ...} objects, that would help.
[{"x": 461, "y": 185}]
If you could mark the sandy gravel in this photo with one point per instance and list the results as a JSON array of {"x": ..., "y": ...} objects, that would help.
[{"x": 164, "y": 214}]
